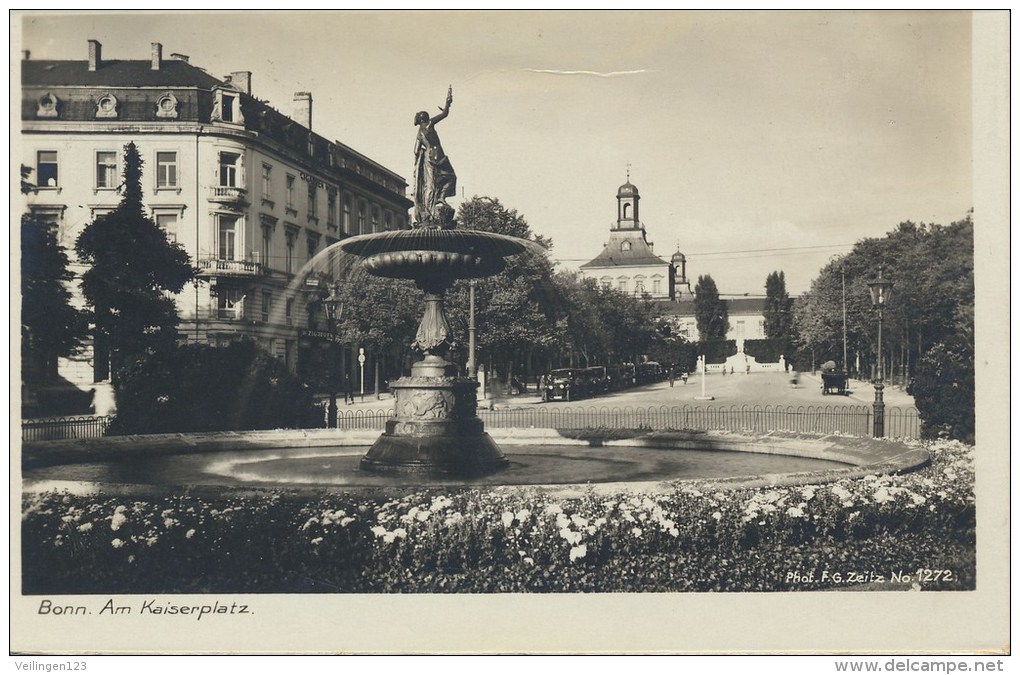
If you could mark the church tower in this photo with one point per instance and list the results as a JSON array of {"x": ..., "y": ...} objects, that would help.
[{"x": 628, "y": 262}]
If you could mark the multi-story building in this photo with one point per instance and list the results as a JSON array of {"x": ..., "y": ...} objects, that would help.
[
  {"x": 249, "y": 192},
  {"x": 628, "y": 262}
]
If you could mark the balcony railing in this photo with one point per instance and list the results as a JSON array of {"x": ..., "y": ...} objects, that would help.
[
  {"x": 216, "y": 267},
  {"x": 228, "y": 195}
]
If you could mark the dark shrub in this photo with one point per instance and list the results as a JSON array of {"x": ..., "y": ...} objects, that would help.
[
  {"x": 943, "y": 390},
  {"x": 717, "y": 351},
  {"x": 202, "y": 388}
]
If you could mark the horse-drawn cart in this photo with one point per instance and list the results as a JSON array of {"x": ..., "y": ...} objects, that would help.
[{"x": 834, "y": 382}]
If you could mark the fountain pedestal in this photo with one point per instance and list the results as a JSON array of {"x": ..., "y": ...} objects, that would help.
[{"x": 435, "y": 428}]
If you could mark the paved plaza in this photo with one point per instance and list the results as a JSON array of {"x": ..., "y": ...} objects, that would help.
[{"x": 738, "y": 389}]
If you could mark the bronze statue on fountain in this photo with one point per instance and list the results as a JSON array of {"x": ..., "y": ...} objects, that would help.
[{"x": 435, "y": 426}]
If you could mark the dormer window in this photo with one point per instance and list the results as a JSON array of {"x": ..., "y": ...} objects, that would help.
[
  {"x": 48, "y": 106},
  {"x": 625, "y": 246},
  {"x": 227, "y": 107},
  {"x": 166, "y": 107},
  {"x": 106, "y": 107}
]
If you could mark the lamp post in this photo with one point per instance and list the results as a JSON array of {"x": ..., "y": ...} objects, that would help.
[
  {"x": 472, "y": 366},
  {"x": 881, "y": 292},
  {"x": 334, "y": 308}
]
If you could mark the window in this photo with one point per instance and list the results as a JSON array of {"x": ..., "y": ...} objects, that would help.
[
  {"x": 347, "y": 215},
  {"x": 106, "y": 107},
  {"x": 290, "y": 191},
  {"x": 361, "y": 218},
  {"x": 331, "y": 208},
  {"x": 229, "y": 162},
  {"x": 375, "y": 219},
  {"x": 622, "y": 285},
  {"x": 166, "y": 170},
  {"x": 267, "y": 181},
  {"x": 168, "y": 223},
  {"x": 313, "y": 199},
  {"x": 267, "y": 305},
  {"x": 657, "y": 286},
  {"x": 290, "y": 311},
  {"x": 289, "y": 265},
  {"x": 639, "y": 286},
  {"x": 388, "y": 221},
  {"x": 625, "y": 246},
  {"x": 46, "y": 169},
  {"x": 106, "y": 170},
  {"x": 267, "y": 245},
  {"x": 227, "y": 232},
  {"x": 230, "y": 304},
  {"x": 313, "y": 245},
  {"x": 227, "y": 108}
]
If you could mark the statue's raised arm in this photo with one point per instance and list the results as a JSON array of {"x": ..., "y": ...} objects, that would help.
[{"x": 434, "y": 178}]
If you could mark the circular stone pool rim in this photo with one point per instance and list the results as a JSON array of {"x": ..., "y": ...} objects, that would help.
[{"x": 864, "y": 456}]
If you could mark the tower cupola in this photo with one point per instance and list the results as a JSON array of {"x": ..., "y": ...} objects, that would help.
[{"x": 627, "y": 199}]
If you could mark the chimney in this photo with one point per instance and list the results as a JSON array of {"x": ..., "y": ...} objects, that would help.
[
  {"x": 242, "y": 80},
  {"x": 303, "y": 108},
  {"x": 95, "y": 54},
  {"x": 157, "y": 55},
  {"x": 26, "y": 55},
  {"x": 180, "y": 57}
]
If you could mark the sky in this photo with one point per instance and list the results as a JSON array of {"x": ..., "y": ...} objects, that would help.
[{"x": 759, "y": 141}]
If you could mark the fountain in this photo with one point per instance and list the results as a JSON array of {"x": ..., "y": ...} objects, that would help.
[{"x": 435, "y": 427}]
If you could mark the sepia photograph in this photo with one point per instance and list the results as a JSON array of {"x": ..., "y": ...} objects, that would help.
[{"x": 510, "y": 332}]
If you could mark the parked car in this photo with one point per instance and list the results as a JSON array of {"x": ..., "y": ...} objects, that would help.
[{"x": 564, "y": 384}]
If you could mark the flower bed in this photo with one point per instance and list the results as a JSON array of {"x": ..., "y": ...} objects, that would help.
[{"x": 877, "y": 532}]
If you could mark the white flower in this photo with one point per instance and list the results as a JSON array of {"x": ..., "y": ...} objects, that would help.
[
  {"x": 116, "y": 543},
  {"x": 882, "y": 495},
  {"x": 85, "y": 527},
  {"x": 529, "y": 560},
  {"x": 578, "y": 520},
  {"x": 578, "y": 552},
  {"x": 795, "y": 512},
  {"x": 717, "y": 515},
  {"x": 553, "y": 509},
  {"x": 400, "y": 532},
  {"x": 522, "y": 515},
  {"x": 562, "y": 521},
  {"x": 189, "y": 534},
  {"x": 508, "y": 519},
  {"x": 118, "y": 519},
  {"x": 169, "y": 522},
  {"x": 379, "y": 531},
  {"x": 317, "y": 541},
  {"x": 636, "y": 531},
  {"x": 346, "y": 521},
  {"x": 673, "y": 532},
  {"x": 570, "y": 536},
  {"x": 131, "y": 558}
]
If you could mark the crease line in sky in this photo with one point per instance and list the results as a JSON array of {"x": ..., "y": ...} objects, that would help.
[{"x": 593, "y": 73}]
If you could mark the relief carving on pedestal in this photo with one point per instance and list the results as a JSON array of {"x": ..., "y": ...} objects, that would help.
[{"x": 427, "y": 404}]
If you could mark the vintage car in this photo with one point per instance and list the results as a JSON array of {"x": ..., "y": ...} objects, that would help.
[
  {"x": 597, "y": 380},
  {"x": 565, "y": 384}
]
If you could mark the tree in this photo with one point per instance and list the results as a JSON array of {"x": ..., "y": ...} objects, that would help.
[
  {"x": 710, "y": 311},
  {"x": 516, "y": 310},
  {"x": 51, "y": 326},
  {"x": 134, "y": 270},
  {"x": 778, "y": 312}
]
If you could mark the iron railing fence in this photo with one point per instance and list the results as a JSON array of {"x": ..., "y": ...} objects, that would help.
[
  {"x": 61, "y": 428},
  {"x": 849, "y": 420}
]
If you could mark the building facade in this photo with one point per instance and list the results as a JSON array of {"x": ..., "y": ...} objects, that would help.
[
  {"x": 746, "y": 317},
  {"x": 250, "y": 193},
  {"x": 628, "y": 262}
]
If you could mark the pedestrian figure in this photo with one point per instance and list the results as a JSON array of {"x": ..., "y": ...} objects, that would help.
[
  {"x": 672, "y": 377},
  {"x": 348, "y": 391},
  {"x": 795, "y": 380},
  {"x": 684, "y": 378}
]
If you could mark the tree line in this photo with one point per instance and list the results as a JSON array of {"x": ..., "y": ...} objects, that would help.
[{"x": 530, "y": 317}]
